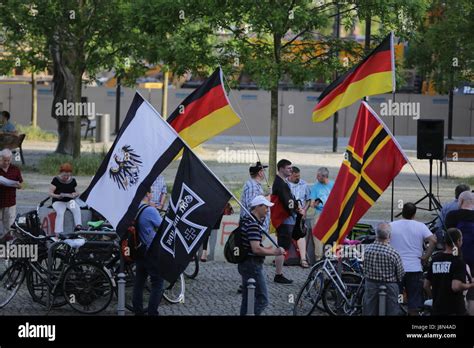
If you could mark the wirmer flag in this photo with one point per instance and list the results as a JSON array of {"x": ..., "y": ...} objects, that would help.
[{"x": 373, "y": 158}]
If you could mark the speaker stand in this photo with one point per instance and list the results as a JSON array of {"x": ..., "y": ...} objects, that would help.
[{"x": 433, "y": 202}]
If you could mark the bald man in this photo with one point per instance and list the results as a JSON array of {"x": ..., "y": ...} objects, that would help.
[{"x": 463, "y": 219}]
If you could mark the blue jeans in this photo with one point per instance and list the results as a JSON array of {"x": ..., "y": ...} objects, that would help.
[
  {"x": 253, "y": 268},
  {"x": 145, "y": 268},
  {"x": 413, "y": 284}
]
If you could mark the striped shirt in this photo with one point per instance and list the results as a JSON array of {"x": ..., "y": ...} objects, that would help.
[
  {"x": 382, "y": 263},
  {"x": 251, "y": 231},
  {"x": 158, "y": 188},
  {"x": 252, "y": 189}
]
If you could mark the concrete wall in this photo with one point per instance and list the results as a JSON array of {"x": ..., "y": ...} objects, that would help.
[{"x": 254, "y": 106}]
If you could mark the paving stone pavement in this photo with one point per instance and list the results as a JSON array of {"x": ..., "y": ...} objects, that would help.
[{"x": 213, "y": 292}]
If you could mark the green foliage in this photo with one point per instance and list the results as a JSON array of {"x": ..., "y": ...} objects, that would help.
[
  {"x": 442, "y": 49},
  {"x": 36, "y": 133},
  {"x": 86, "y": 164}
]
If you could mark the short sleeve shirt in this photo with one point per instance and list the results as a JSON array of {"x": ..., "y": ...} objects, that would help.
[
  {"x": 444, "y": 268},
  {"x": 8, "y": 194}
]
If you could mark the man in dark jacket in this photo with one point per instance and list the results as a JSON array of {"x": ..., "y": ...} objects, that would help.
[{"x": 285, "y": 206}]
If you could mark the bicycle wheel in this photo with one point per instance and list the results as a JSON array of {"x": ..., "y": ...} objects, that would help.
[
  {"x": 87, "y": 288},
  {"x": 310, "y": 294},
  {"x": 192, "y": 270},
  {"x": 11, "y": 277},
  {"x": 38, "y": 286},
  {"x": 353, "y": 305},
  {"x": 174, "y": 293}
]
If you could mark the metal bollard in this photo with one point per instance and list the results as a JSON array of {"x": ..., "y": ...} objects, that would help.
[
  {"x": 251, "y": 296},
  {"x": 121, "y": 294},
  {"x": 382, "y": 300},
  {"x": 102, "y": 133}
]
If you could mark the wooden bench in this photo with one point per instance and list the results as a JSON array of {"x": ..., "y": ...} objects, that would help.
[
  {"x": 456, "y": 153},
  {"x": 12, "y": 142}
]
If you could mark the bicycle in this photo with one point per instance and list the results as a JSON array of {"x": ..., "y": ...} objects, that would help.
[
  {"x": 173, "y": 293},
  {"x": 84, "y": 285},
  {"x": 192, "y": 269},
  {"x": 309, "y": 296}
]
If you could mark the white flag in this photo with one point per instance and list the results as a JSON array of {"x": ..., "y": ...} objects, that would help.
[{"x": 144, "y": 147}]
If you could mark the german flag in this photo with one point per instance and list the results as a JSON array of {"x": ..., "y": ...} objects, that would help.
[
  {"x": 373, "y": 158},
  {"x": 374, "y": 75},
  {"x": 204, "y": 113},
  {"x": 283, "y": 203}
]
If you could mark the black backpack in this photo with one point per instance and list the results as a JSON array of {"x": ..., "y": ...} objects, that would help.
[
  {"x": 234, "y": 250},
  {"x": 131, "y": 246}
]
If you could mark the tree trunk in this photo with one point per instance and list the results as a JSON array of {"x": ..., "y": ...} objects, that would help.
[
  {"x": 63, "y": 92},
  {"x": 273, "y": 135},
  {"x": 34, "y": 102},
  {"x": 77, "y": 119},
  {"x": 274, "y": 112},
  {"x": 164, "y": 100}
]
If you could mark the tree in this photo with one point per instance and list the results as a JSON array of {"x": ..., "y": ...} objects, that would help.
[
  {"x": 442, "y": 50},
  {"x": 81, "y": 36},
  {"x": 276, "y": 39},
  {"x": 22, "y": 50},
  {"x": 271, "y": 40}
]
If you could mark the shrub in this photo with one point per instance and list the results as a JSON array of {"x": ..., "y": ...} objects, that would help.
[{"x": 36, "y": 133}]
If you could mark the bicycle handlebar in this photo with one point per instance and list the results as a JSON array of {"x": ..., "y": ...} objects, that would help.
[{"x": 43, "y": 202}]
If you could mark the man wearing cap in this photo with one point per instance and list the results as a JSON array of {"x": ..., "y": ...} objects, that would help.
[
  {"x": 252, "y": 188},
  {"x": 252, "y": 267}
]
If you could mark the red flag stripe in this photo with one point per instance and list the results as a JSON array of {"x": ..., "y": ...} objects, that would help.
[
  {"x": 380, "y": 62},
  {"x": 200, "y": 108}
]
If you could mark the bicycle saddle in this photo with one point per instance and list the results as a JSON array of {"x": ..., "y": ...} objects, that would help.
[{"x": 95, "y": 224}]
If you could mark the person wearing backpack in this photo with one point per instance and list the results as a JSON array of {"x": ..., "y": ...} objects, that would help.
[
  {"x": 252, "y": 266},
  {"x": 148, "y": 222}
]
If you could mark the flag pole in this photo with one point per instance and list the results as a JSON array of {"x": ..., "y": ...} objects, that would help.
[
  {"x": 245, "y": 122},
  {"x": 210, "y": 171},
  {"x": 393, "y": 117}
]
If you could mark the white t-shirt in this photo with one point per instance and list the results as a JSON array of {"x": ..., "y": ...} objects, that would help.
[{"x": 408, "y": 238}]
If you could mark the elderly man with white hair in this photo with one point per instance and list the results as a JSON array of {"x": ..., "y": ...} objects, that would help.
[
  {"x": 463, "y": 219},
  {"x": 382, "y": 266},
  {"x": 8, "y": 192},
  {"x": 319, "y": 195}
]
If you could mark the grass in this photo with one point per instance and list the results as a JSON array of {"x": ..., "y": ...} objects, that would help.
[
  {"x": 36, "y": 133},
  {"x": 86, "y": 164},
  {"x": 467, "y": 180}
]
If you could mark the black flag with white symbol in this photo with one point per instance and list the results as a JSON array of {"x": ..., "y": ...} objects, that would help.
[{"x": 197, "y": 202}]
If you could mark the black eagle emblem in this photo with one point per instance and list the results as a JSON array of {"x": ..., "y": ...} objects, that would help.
[{"x": 125, "y": 171}]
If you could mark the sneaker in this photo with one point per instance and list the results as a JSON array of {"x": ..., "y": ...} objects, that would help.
[{"x": 279, "y": 278}]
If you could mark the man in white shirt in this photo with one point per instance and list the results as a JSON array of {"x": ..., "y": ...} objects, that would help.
[{"x": 408, "y": 238}]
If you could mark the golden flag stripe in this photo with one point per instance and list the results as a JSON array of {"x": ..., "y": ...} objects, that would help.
[
  {"x": 209, "y": 126},
  {"x": 377, "y": 83}
]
